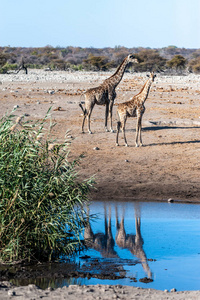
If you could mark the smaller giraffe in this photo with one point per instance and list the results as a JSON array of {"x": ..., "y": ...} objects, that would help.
[{"x": 134, "y": 108}]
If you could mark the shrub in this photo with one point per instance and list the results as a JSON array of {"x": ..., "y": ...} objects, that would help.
[
  {"x": 177, "y": 62},
  {"x": 3, "y": 59},
  {"x": 58, "y": 64},
  {"x": 194, "y": 64},
  {"x": 96, "y": 62},
  {"x": 7, "y": 67},
  {"x": 149, "y": 60},
  {"x": 77, "y": 67},
  {"x": 41, "y": 201}
]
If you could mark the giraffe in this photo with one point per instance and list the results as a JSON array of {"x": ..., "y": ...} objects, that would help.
[
  {"x": 134, "y": 108},
  {"x": 105, "y": 94},
  {"x": 102, "y": 242},
  {"x": 132, "y": 242}
]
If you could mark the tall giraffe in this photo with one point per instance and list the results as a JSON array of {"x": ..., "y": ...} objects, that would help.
[
  {"x": 105, "y": 94},
  {"x": 134, "y": 108}
]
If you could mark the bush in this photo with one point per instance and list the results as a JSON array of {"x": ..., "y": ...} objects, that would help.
[
  {"x": 149, "y": 60},
  {"x": 41, "y": 202},
  {"x": 196, "y": 68},
  {"x": 3, "y": 59},
  {"x": 7, "y": 67},
  {"x": 177, "y": 62},
  {"x": 194, "y": 65},
  {"x": 58, "y": 64},
  {"x": 97, "y": 63},
  {"x": 77, "y": 67}
]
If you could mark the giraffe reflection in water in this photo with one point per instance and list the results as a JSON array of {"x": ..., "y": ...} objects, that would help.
[
  {"x": 102, "y": 242},
  {"x": 105, "y": 243},
  {"x": 132, "y": 242}
]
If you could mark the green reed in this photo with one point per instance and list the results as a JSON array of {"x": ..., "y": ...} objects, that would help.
[{"x": 41, "y": 199}]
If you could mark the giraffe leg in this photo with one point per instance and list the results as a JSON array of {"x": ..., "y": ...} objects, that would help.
[
  {"x": 137, "y": 130},
  {"x": 118, "y": 129},
  {"x": 140, "y": 131},
  {"x": 88, "y": 113},
  {"x": 141, "y": 144},
  {"x": 84, "y": 116},
  {"x": 88, "y": 119},
  {"x": 106, "y": 117},
  {"x": 123, "y": 130},
  {"x": 110, "y": 115}
]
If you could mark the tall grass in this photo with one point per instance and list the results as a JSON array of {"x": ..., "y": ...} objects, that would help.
[{"x": 41, "y": 201}]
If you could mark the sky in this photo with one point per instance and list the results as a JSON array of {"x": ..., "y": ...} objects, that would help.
[{"x": 100, "y": 23}]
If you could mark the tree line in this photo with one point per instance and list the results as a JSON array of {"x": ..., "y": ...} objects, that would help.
[{"x": 167, "y": 59}]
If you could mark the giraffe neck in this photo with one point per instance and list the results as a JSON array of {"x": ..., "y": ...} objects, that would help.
[
  {"x": 117, "y": 76},
  {"x": 145, "y": 90}
]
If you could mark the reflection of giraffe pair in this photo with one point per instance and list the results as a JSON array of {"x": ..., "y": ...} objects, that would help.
[{"x": 104, "y": 242}]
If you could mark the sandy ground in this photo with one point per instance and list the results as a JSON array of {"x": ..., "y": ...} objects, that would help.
[
  {"x": 103, "y": 292},
  {"x": 167, "y": 166}
]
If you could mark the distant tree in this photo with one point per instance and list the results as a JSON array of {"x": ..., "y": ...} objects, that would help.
[
  {"x": 149, "y": 59},
  {"x": 58, "y": 64},
  {"x": 171, "y": 50},
  {"x": 196, "y": 54},
  {"x": 194, "y": 65},
  {"x": 119, "y": 56},
  {"x": 94, "y": 58},
  {"x": 97, "y": 62},
  {"x": 3, "y": 59},
  {"x": 177, "y": 62}
]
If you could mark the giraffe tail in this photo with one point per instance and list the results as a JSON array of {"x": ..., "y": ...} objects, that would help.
[{"x": 84, "y": 110}]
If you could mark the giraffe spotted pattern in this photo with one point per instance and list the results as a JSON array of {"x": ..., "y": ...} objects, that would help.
[{"x": 134, "y": 108}]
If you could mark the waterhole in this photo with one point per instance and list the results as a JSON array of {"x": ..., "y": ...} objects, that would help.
[{"x": 144, "y": 244}]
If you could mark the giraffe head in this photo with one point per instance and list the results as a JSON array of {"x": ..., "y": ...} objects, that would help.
[
  {"x": 131, "y": 58},
  {"x": 152, "y": 76}
]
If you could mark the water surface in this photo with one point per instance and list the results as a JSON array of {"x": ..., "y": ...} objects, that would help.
[
  {"x": 162, "y": 240},
  {"x": 137, "y": 241}
]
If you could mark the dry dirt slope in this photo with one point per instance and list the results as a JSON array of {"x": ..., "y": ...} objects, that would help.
[{"x": 168, "y": 164}]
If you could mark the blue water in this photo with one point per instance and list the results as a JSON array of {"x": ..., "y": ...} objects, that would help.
[
  {"x": 160, "y": 241},
  {"x": 166, "y": 246}
]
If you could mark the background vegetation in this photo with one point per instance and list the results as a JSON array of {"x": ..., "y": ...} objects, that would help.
[
  {"x": 166, "y": 59},
  {"x": 41, "y": 201}
]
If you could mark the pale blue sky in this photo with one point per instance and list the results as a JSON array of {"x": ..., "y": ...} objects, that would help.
[{"x": 100, "y": 23}]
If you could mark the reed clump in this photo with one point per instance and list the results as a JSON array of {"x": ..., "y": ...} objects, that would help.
[{"x": 42, "y": 203}]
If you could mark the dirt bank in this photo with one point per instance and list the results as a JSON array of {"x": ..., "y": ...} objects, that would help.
[{"x": 166, "y": 167}]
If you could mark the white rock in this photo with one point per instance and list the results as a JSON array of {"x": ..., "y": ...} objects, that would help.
[
  {"x": 11, "y": 293},
  {"x": 170, "y": 200}
]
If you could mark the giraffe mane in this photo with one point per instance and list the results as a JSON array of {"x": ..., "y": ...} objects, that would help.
[
  {"x": 118, "y": 68},
  {"x": 142, "y": 88}
]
